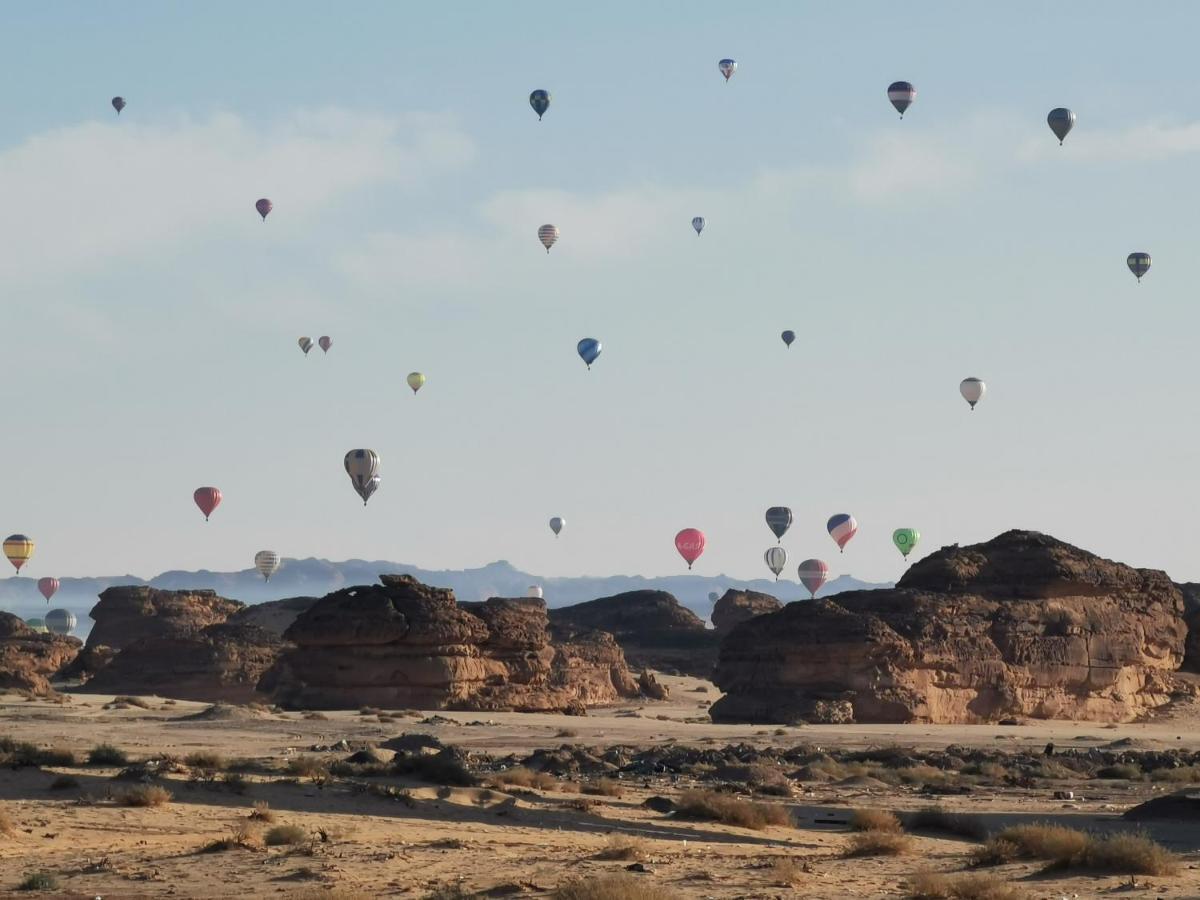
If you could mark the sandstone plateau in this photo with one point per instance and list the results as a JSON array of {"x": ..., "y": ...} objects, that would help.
[
  {"x": 125, "y": 615},
  {"x": 28, "y": 659},
  {"x": 403, "y": 644},
  {"x": 735, "y": 607},
  {"x": 1022, "y": 625}
]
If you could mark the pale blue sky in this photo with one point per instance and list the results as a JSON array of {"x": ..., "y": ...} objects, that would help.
[{"x": 152, "y": 319}]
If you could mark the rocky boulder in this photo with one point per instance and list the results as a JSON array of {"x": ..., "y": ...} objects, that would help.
[
  {"x": 653, "y": 628},
  {"x": 28, "y": 659},
  {"x": 735, "y": 607},
  {"x": 1023, "y": 625},
  {"x": 125, "y": 615},
  {"x": 403, "y": 644}
]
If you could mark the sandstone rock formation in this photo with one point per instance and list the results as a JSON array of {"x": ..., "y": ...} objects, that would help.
[
  {"x": 652, "y": 627},
  {"x": 735, "y": 607},
  {"x": 1023, "y": 625},
  {"x": 28, "y": 659},
  {"x": 403, "y": 644},
  {"x": 1191, "y": 616},
  {"x": 125, "y": 615}
]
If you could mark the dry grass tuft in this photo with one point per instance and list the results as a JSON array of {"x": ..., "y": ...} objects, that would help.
[
  {"x": 282, "y": 835},
  {"x": 1123, "y": 854},
  {"x": 935, "y": 886},
  {"x": 209, "y": 762},
  {"x": 604, "y": 787},
  {"x": 107, "y": 755},
  {"x": 625, "y": 848},
  {"x": 874, "y": 820},
  {"x": 878, "y": 843},
  {"x": 310, "y": 767},
  {"x": 731, "y": 811},
  {"x": 7, "y": 826},
  {"x": 38, "y": 881},
  {"x": 144, "y": 795},
  {"x": 786, "y": 872},
  {"x": 527, "y": 778},
  {"x": 934, "y": 818},
  {"x": 1035, "y": 841},
  {"x": 262, "y": 812},
  {"x": 613, "y": 887}
]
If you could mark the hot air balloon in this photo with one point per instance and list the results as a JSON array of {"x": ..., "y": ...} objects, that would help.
[
  {"x": 548, "y": 234},
  {"x": 118, "y": 103},
  {"x": 972, "y": 390},
  {"x": 1139, "y": 263},
  {"x": 690, "y": 544},
  {"x": 1061, "y": 120},
  {"x": 363, "y": 466},
  {"x": 698, "y": 224},
  {"x": 415, "y": 381},
  {"x": 902, "y": 94},
  {"x": 727, "y": 67},
  {"x": 208, "y": 499},
  {"x": 48, "y": 587},
  {"x": 535, "y": 590},
  {"x": 588, "y": 349},
  {"x": 776, "y": 559},
  {"x": 556, "y": 524},
  {"x": 813, "y": 575},
  {"x": 714, "y": 596},
  {"x": 37, "y": 624},
  {"x": 906, "y": 540},
  {"x": 267, "y": 563},
  {"x": 18, "y": 549},
  {"x": 326, "y": 342},
  {"x": 306, "y": 344},
  {"x": 60, "y": 621},
  {"x": 841, "y": 528},
  {"x": 264, "y": 206},
  {"x": 788, "y": 336},
  {"x": 540, "y": 101},
  {"x": 779, "y": 520}
]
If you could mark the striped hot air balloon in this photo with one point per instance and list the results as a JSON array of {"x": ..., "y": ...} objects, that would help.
[
  {"x": 776, "y": 559},
  {"x": 535, "y": 590},
  {"x": 902, "y": 94},
  {"x": 306, "y": 344},
  {"x": 813, "y": 575},
  {"x": 18, "y": 548},
  {"x": 779, "y": 520},
  {"x": 267, "y": 563},
  {"x": 1139, "y": 263},
  {"x": 38, "y": 624},
  {"x": 841, "y": 528},
  {"x": 60, "y": 621},
  {"x": 48, "y": 587},
  {"x": 548, "y": 234},
  {"x": 363, "y": 467}
]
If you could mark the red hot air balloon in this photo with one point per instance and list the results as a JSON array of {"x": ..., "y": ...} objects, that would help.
[
  {"x": 813, "y": 575},
  {"x": 264, "y": 206},
  {"x": 208, "y": 499},
  {"x": 690, "y": 544},
  {"x": 48, "y": 587}
]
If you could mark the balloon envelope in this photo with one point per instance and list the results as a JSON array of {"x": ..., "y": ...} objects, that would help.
[
  {"x": 788, "y": 336},
  {"x": 326, "y": 342},
  {"x": 415, "y": 381},
  {"x": 48, "y": 587},
  {"x": 548, "y": 234},
  {"x": 902, "y": 94},
  {"x": 535, "y": 590},
  {"x": 306, "y": 344},
  {"x": 118, "y": 104},
  {"x": 60, "y": 621},
  {"x": 267, "y": 563},
  {"x": 841, "y": 528},
  {"x": 540, "y": 101},
  {"x": 1061, "y": 120},
  {"x": 18, "y": 548},
  {"x": 776, "y": 559},
  {"x": 813, "y": 575},
  {"x": 779, "y": 520},
  {"x": 972, "y": 390},
  {"x": 363, "y": 468},
  {"x": 588, "y": 350},
  {"x": 368, "y": 489},
  {"x": 906, "y": 540},
  {"x": 1139, "y": 263},
  {"x": 698, "y": 224},
  {"x": 557, "y": 523},
  {"x": 208, "y": 499},
  {"x": 37, "y": 624},
  {"x": 690, "y": 544},
  {"x": 728, "y": 67}
]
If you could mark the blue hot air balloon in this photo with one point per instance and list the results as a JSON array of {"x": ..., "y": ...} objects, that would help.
[
  {"x": 788, "y": 336},
  {"x": 589, "y": 350},
  {"x": 540, "y": 101},
  {"x": 727, "y": 67}
]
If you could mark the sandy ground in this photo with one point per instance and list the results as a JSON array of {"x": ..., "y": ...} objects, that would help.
[{"x": 522, "y": 843}]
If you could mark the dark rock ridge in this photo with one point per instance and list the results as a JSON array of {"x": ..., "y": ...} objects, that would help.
[
  {"x": 28, "y": 659},
  {"x": 735, "y": 607},
  {"x": 652, "y": 627},
  {"x": 405, "y": 644},
  {"x": 126, "y": 615},
  {"x": 1022, "y": 625}
]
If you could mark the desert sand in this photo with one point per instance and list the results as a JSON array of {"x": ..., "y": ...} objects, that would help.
[{"x": 422, "y": 839}]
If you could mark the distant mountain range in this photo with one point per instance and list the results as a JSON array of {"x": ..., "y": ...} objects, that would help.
[{"x": 317, "y": 577}]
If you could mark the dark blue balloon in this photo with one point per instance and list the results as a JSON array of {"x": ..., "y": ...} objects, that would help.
[
  {"x": 589, "y": 349},
  {"x": 540, "y": 101},
  {"x": 788, "y": 336}
]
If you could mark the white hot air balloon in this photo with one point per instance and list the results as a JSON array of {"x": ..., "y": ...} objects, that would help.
[
  {"x": 557, "y": 524},
  {"x": 535, "y": 590},
  {"x": 776, "y": 559},
  {"x": 267, "y": 563},
  {"x": 363, "y": 466},
  {"x": 972, "y": 390}
]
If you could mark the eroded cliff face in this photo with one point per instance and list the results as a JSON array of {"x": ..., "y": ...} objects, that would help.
[
  {"x": 125, "y": 615},
  {"x": 735, "y": 607},
  {"x": 28, "y": 659},
  {"x": 403, "y": 644},
  {"x": 1022, "y": 625}
]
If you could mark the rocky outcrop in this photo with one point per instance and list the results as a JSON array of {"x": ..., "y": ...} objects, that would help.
[
  {"x": 28, "y": 659},
  {"x": 1023, "y": 625},
  {"x": 274, "y": 616},
  {"x": 1191, "y": 617},
  {"x": 126, "y": 615},
  {"x": 735, "y": 607},
  {"x": 403, "y": 644},
  {"x": 653, "y": 628}
]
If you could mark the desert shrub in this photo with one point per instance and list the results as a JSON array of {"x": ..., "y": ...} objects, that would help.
[
  {"x": 1054, "y": 770},
  {"x": 262, "y": 812},
  {"x": 613, "y": 887},
  {"x": 64, "y": 783},
  {"x": 144, "y": 795},
  {"x": 310, "y": 767},
  {"x": 1120, "y": 771},
  {"x": 1035, "y": 841},
  {"x": 213, "y": 762},
  {"x": 56, "y": 756},
  {"x": 38, "y": 881},
  {"x": 131, "y": 701},
  {"x": 1180, "y": 775},
  {"x": 236, "y": 782},
  {"x": 241, "y": 834},
  {"x": 874, "y": 820},
  {"x": 6, "y": 823},
  {"x": 107, "y": 755},
  {"x": 922, "y": 774},
  {"x": 624, "y": 848},
  {"x": 935, "y": 818},
  {"x": 878, "y": 843},
  {"x": 730, "y": 810},
  {"x": 990, "y": 770},
  {"x": 604, "y": 787},
  {"x": 17, "y": 754},
  {"x": 1123, "y": 854},
  {"x": 935, "y": 886},
  {"x": 583, "y": 804},
  {"x": 786, "y": 871},
  {"x": 281, "y": 835},
  {"x": 527, "y": 778},
  {"x": 442, "y": 768}
]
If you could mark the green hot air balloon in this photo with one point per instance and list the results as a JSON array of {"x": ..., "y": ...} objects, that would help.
[{"x": 906, "y": 540}]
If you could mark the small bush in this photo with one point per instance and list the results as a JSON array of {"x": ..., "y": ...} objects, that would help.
[
  {"x": 1120, "y": 772},
  {"x": 878, "y": 843},
  {"x": 1180, "y": 775},
  {"x": 1035, "y": 841},
  {"x": 527, "y": 778},
  {"x": 613, "y": 887},
  {"x": 212, "y": 762},
  {"x": 38, "y": 881},
  {"x": 308, "y": 767},
  {"x": 787, "y": 872},
  {"x": 131, "y": 701},
  {"x": 1123, "y": 854},
  {"x": 6, "y": 823},
  {"x": 107, "y": 755},
  {"x": 64, "y": 783},
  {"x": 624, "y": 848},
  {"x": 934, "y": 886},
  {"x": 282, "y": 835},
  {"x": 56, "y": 756},
  {"x": 731, "y": 811},
  {"x": 934, "y": 818},
  {"x": 144, "y": 795},
  {"x": 262, "y": 812},
  {"x": 443, "y": 768},
  {"x": 604, "y": 787},
  {"x": 874, "y": 820}
]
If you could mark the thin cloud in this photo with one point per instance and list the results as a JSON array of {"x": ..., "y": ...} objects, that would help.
[{"x": 1150, "y": 142}]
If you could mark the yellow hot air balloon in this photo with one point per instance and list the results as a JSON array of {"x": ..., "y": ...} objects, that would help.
[
  {"x": 18, "y": 549},
  {"x": 415, "y": 380}
]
